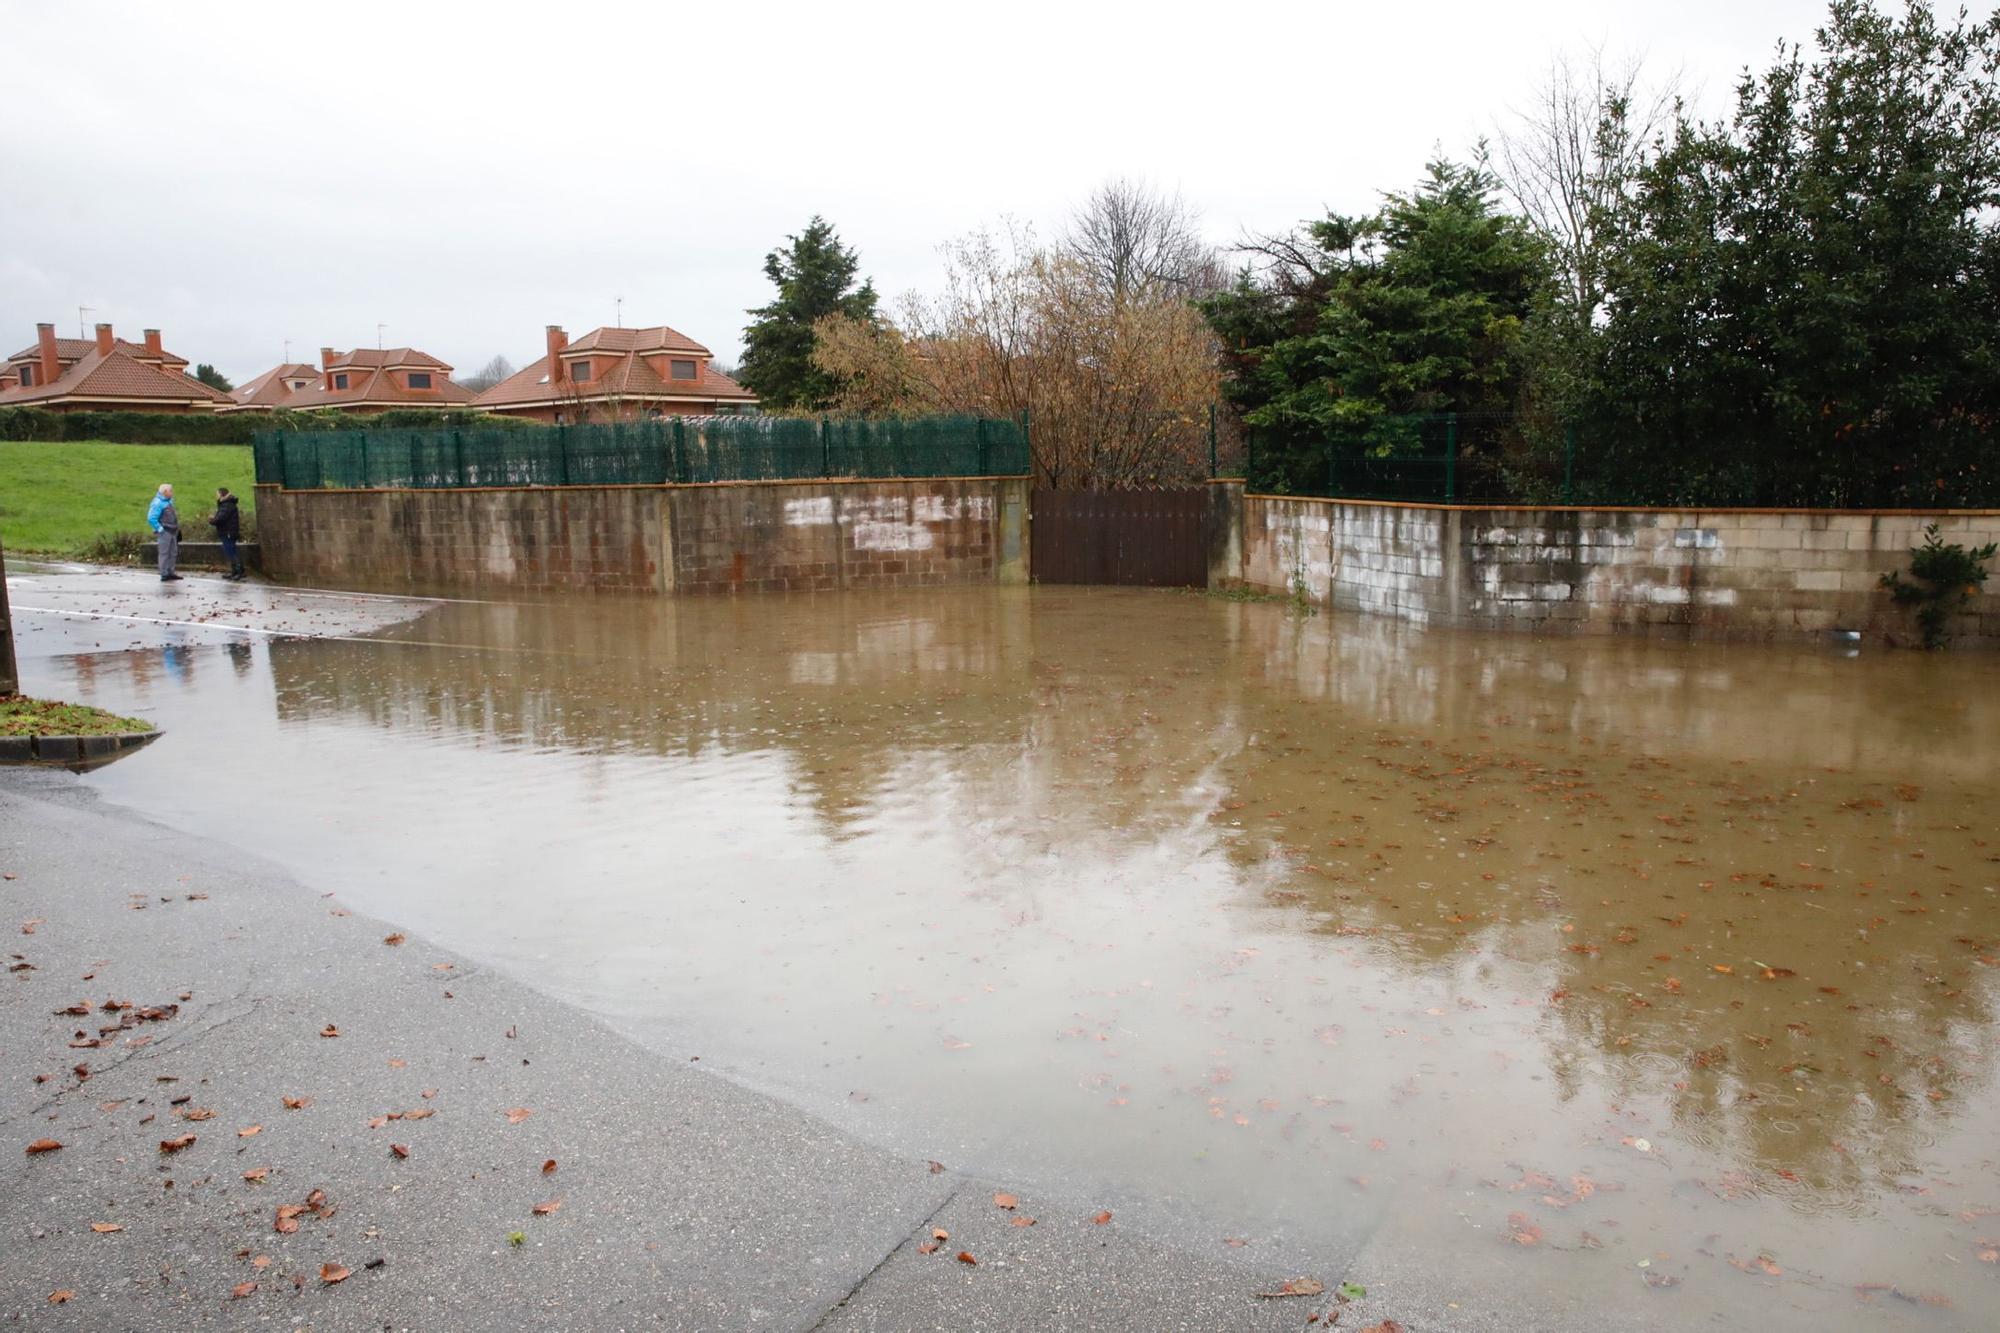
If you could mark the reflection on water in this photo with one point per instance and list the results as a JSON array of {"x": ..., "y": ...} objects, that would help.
[{"x": 1558, "y": 957}]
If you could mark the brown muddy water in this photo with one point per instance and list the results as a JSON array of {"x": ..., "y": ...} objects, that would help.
[{"x": 1662, "y": 977}]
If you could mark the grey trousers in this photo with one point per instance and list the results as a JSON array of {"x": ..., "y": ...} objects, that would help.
[{"x": 170, "y": 551}]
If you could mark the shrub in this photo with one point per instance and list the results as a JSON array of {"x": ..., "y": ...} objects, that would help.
[{"x": 1949, "y": 573}]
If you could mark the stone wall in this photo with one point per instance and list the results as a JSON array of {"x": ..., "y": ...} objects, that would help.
[
  {"x": 1704, "y": 573},
  {"x": 755, "y": 536}
]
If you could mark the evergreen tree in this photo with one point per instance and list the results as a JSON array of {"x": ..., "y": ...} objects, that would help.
[
  {"x": 212, "y": 377},
  {"x": 814, "y": 275},
  {"x": 1419, "y": 308}
]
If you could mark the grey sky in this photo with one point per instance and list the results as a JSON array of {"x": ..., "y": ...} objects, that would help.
[{"x": 239, "y": 174}]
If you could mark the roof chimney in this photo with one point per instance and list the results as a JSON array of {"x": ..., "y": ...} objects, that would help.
[
  {"x": 45, "y": 338},
  {"x": 104, "y": 340},
  {"x": 326, "y": 358},
  {"x": 557, "y": 341},
  {"x": 153, "y": 348}
]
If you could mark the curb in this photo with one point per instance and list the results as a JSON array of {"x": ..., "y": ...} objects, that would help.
[{"x": 74, "y": 752}]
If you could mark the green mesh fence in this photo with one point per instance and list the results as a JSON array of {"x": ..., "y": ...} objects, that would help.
[{"x": 643, "y": 453}]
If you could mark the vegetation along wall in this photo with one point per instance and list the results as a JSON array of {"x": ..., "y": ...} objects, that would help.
[
  {"x": 754, "y": 536},
  {"x": 1728, "y": 573}
]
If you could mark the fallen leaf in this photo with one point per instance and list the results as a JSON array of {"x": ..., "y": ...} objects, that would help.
[
  {"x": 549, "y": 1167},
  {"x": 937, "y": 1168},
  {"x": 1522, "y": 1231},
  {"x": 927, "y": 1247},
  {"x": 399, "y": 1150},
  {"x": 261, "y": 1261},
  {"x": 329, "y": 1031},
  {"x": 425, "y": 1113},
  {"x": 257, "y": 1173},
  {"x": 1298, "y": 1286},
  {"x": 1101, "y": 1218},
  {"x": 396, "y": 938},
  {"x": 242, "y": 1289},
  {"x": 297, "y": 1103},
  {"x": 1005, "y": 1201},
  {"x": 316, "y": 1200},
  {"x": 1024, "y": 1221},
  {"x": 544, "y": 1209},
  {"x": 105, "y": 1228},
  {"x": 175, "y": 1145},
  {"x": 288, "y": 1211},
  {"x": 1386, "y": 1326},
  {"x": 332, "y": 1273},
  {"x": 376, "y": 1122},
  {"x": 939, "y": 1233},
  {"x": 1725, "y": 969},
  {"x": 515, "y": 1116},
  {"x": 249, "y": 1130},
  {"x": 1235, "y": 1242},
  {"x": 285, "y": 1226},
  {"x": 62, "y": 1297},
  {"x": 965, "y": 1257},
  {"x": 198, "y": 1113},
  {"x": 40, "y": 1146}
]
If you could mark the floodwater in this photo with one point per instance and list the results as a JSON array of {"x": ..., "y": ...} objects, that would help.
[{"x": 1655, "y": 979}]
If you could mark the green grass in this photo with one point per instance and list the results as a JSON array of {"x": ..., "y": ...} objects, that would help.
[
  {"x": 22, "y": 716},
  {"x": 57, "y": 499}
]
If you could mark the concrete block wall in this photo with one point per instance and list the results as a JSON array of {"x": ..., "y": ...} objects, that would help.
[
  {"x": 1702, "y": 573},
  {"x": 759, "y": 536}
]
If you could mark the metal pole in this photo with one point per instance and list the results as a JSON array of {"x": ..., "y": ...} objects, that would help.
[
  {"x": 1569, "y": 463},
  {"x": 10, "y": 673},
  {"x": 825, "y": 446},
  {"x": 1211, "y": 441},
  {"x": 364, "y": 459},
  {"x": 562, "y": 455},
  {"x": 1450, "y": 457},
  {"x": 458, "y": 458},
  {"x": 979, "y": 428}
]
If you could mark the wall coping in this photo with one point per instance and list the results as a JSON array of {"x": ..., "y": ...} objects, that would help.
[
  {"x": 636, "y": 485},
  {"x": 1515, "y": 508}
]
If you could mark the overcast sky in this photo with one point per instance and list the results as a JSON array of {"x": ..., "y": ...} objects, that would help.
[{"x": 242, "y": 174}]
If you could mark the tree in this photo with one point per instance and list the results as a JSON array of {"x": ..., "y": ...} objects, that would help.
[
  {"x": 1569, "y": 159},
  {"x": 490, "y": 374},
  {"x": 1116, "y": 385},
  {"x": 1132, "y": 240},
  {"x": 213, "y": 378},
  {"x": 1803, "y": 304},
  {"x": 1340, "y": 330},
  {"x": 815, "y": 278}
]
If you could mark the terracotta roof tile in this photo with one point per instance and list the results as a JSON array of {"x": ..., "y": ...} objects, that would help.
[
  {"x": 118, "y": 375},
  {"x": 629, "y": 376},
  {"x": 270, "y": 389},
  {"x": 659, "y": 338}
]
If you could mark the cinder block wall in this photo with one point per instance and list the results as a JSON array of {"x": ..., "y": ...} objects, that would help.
[
  {"x": 1711, "y": 573},
  {"x": 757, "y": 536}
]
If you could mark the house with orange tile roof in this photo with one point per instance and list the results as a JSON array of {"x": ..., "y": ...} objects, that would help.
[
  {"x": 103, "y": 374},
  {"x": 375, "y": 379},
  {"x": 273, "y": 390},
  {"x": 618, "y": 374}
]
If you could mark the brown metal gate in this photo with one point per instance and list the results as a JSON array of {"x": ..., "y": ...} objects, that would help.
[{"x": 1150, "y": 538}]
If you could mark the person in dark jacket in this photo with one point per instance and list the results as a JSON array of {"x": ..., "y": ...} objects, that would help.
[{"x": 228, "y": 525}]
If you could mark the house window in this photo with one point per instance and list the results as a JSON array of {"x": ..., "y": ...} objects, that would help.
[
  {"x": 27, "y": 376},
  {"x": 340, "y": 381},
  {"x": 681, "y": 370},
  {"x": 579, "y": 370},
  {"x": 420, "y": 379}
]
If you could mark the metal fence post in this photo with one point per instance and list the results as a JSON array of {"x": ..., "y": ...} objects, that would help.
[
  {"x": 1450, "y": 457},
  {"x": 1211, "y": 441},
  {"x": 364, "y": 459},
  {"x": 826, "y": 446},
  {"x": 1569, "y": 463},
  {"x": 562, "y": 455},
  {"x": 979, "y": 428},
  {"x": 458, "y": 459},
  {"x": 680, "y": 451}
]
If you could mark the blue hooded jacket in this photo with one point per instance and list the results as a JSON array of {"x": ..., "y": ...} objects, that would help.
[{"x": 153, "y": 511}]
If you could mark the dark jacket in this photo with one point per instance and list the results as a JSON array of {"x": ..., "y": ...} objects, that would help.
[
  {"x": 169, "y": 519},
  {"x": 228, "y": 524}
]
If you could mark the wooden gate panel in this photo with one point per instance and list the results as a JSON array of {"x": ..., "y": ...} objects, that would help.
[{"x": 1136, "y": 538}]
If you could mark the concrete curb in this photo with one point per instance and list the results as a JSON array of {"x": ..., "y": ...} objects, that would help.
[{"x": 77, "y": 753}]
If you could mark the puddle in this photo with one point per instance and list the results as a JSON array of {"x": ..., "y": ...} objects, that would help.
[{"x": 1662, "y": 976}]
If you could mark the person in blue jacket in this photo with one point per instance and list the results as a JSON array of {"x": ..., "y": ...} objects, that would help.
[{"x": 165, "y": 521}]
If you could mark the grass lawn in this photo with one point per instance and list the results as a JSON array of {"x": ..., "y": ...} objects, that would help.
[
  {"x": 55, "y": 499},
  {"x": 22, "y": 716}
]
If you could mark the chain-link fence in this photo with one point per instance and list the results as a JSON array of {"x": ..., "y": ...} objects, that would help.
[{"x": 644, "y": 453}]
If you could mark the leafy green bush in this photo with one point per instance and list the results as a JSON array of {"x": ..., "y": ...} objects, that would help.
[{"x": 1950, "y": 575}]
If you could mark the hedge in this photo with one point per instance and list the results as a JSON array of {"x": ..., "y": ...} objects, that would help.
[{"x": 35, "y": 423}]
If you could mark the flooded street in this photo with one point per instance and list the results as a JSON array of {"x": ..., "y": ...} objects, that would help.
[{"x": 1660, "y": 979}]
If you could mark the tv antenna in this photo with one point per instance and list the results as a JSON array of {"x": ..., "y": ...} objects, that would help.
[{"x": 81, "y": 311}]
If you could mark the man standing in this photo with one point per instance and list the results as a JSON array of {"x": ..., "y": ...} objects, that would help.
[
  {"x": 165, "y": 520},
  {"x": 228, "y": 525}
]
